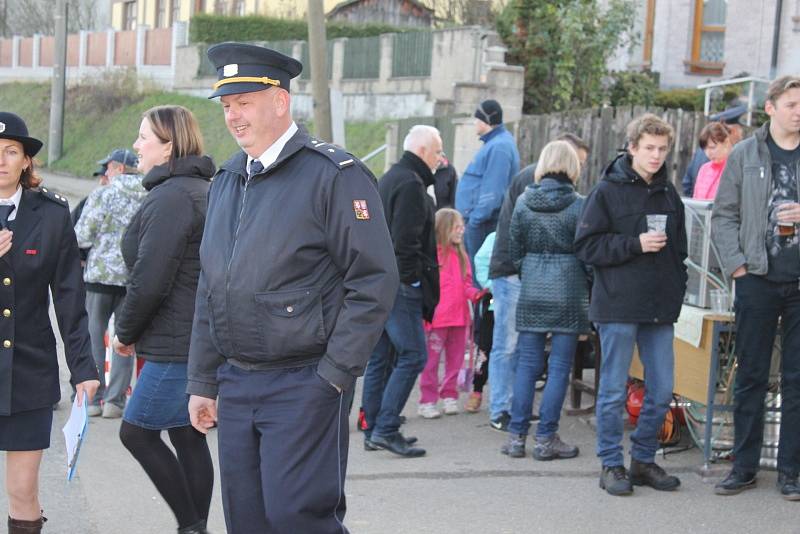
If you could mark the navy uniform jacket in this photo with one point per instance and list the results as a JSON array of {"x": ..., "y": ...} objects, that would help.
[
  {"x": 44, "y": 255},
  {"x": 297, "y": 267}
]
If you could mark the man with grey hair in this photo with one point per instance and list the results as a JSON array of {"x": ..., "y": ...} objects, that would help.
[{"x": 410, "y": 215}]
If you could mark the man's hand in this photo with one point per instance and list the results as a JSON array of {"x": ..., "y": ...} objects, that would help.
[
  {"x": 5, "y": 241},
  {"x": 652, "y": 242},
  {"x": 788, "y": 213},
  {"x": 202, "y": 413},
  {"x": 123, "y": 350},
  {"x": 89, "y": 387},
  {"x": 740, "y": 272}
]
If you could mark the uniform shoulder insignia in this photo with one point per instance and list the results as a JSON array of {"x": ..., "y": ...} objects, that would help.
[
  {"x": 54, "y": 197},
  {"x": 337, "y": 155}
]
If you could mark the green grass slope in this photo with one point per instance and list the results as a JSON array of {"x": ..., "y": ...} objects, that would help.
[{"x": 99, "y": 118}]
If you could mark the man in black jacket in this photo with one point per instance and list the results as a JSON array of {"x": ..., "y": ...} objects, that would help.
[
  {"x": 632, "y": 231},
  {"x": 505, "y": 292},
  {"x": 410, "y": 215},
  {"x": 297, "y": 280}
]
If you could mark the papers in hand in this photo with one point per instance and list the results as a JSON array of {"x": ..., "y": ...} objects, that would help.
[{"x": 74, "y": 432}]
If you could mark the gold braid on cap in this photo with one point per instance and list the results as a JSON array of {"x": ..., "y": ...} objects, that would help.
[{"x": 248, "y": 79}]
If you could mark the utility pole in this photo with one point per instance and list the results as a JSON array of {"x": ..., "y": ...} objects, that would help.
[
  {"x": 58, "y": 88},
  {"x": 318, "y": 52}
]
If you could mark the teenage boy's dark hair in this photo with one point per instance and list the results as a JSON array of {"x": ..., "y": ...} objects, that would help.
[{"x": 648, "y": 124}]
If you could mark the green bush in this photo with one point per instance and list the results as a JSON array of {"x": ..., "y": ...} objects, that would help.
[
  {"x": 217, "y": 28},
  {"x": 687, "y": 99},
  {"x": 631, "y": 88}
]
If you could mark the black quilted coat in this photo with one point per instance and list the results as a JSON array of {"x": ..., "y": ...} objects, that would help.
[{"x": 555, "y": 287}]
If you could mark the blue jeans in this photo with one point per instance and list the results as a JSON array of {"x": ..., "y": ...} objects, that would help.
[
  {"x": 504, "y": 355},
  {"x": 387, "y": 387},
  {"x": 657, "y": 357},
  {"x": 474, "y": 235},
  {"x": 530, "y": 367}
]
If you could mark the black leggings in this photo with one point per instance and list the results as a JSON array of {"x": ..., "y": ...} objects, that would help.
[{"x": 184, "y": 481}]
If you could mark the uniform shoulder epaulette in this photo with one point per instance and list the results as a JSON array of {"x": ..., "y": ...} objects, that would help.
[
  {"x": 54, "y": 197},
  {"x": 334, "y": 153}
]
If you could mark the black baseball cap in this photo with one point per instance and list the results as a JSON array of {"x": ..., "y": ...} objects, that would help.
[{"x": 120, "y": 155}]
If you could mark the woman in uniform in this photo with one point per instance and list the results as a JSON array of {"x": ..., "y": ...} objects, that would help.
[
  {"x": 38, "y": 252},
  {"x": 161, "y": 248}
]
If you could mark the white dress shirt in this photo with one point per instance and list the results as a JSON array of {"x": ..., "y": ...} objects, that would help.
[
  {"x": 271, "y": 154},
  {"x": 15, "y": 198}
]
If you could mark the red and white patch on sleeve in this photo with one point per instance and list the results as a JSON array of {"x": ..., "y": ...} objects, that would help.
[{"x": 361, "y": 210}]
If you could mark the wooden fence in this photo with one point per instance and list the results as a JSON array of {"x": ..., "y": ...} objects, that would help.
[{"x": 604, "y": 130}]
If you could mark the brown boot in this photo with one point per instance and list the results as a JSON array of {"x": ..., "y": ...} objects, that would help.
[{"x": 18, "y": 526}]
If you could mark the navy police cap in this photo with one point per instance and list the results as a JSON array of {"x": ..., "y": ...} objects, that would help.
[
  {"x": 246, "y": 68},
  {"x": 13, "y": 127},
  {"x": 730, "y": 115}
]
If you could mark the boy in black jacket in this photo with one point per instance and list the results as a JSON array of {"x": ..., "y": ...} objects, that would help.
[{"x": 640, "y": 279}]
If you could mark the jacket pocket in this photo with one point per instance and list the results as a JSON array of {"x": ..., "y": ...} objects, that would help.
[
  {"x": 212, "y": 327},
  {"x": 291, "y": 322}
]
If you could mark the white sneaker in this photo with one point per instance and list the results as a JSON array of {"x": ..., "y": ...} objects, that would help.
[
  {"x": 450, "y": 406},
  {"x": 428, "y": 411},
  {"x": 94, "y": 410},
  {"x": 111, "y": 411}
]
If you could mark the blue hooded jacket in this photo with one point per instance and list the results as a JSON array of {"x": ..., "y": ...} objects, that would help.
[{"x": 481, "y": 188}]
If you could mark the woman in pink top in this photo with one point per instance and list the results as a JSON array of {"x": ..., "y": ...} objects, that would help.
[
  {"x": 715, "y": 140},
  {"x": 449, "y": 329}
]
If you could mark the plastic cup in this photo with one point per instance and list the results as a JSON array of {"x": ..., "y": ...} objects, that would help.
[
  {"x": 656, "y": 224},
  {"x": 719, "y": 300}
]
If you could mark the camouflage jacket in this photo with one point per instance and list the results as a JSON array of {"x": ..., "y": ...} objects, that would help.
[{"x": 106, "y": 215}]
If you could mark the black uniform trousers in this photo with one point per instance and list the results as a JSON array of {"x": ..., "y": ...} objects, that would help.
[{"x": 283, "y": 441}]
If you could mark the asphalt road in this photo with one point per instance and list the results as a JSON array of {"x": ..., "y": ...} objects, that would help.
[{"x": 463, "y": 485}]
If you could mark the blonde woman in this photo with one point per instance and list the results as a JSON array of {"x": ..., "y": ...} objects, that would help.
[{"x": 554, "y": 298}]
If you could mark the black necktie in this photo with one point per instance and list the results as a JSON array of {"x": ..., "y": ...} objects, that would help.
[
  {"x": 5, "y": 212},
  {"x": 255, "y": 168}
]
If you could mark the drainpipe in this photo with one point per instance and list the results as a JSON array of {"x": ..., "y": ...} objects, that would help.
[{"x": 776, "y": 37}]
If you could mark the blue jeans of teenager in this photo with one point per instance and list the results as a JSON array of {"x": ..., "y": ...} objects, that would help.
[
  {"x": 655, "y": 352},
  {"x": 759, "y": 303},
  {"x": 530, "y": 367},
  {"x": 474, "y": 235},
  {"x": 386, "y": 386},
  {"x": 504, "y": 355}
]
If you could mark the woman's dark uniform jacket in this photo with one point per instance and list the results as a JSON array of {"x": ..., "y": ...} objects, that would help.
[
  {"x": 297, "y": 267},
  {"x": 44, "y": 255}
]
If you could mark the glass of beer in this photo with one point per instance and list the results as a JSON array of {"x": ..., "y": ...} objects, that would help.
[{"x": 783, "y": 229}]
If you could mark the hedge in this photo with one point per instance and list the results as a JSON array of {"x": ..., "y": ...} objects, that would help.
[{"x": 218, "y": 28}]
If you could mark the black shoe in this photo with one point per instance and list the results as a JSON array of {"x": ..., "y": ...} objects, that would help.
[
  {"x": 651, "y": 474},
  {"x": 501, "y": 422},
  {"x": 397, "y": 444},
  {"x": 369, "y": 446},
  {"x": 197, "y": 528},
  {"x": 735, "y": 483},
  {"x": 615, "y": 480},
  {"x": 789, "y": 487}
]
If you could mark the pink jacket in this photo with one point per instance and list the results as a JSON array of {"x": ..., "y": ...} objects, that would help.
[
  {"x": 454, "y": 292},
  {"x": 707, "y": 183}
]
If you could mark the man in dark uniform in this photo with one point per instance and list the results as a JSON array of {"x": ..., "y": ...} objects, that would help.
[{"x": 298, "y": 277}]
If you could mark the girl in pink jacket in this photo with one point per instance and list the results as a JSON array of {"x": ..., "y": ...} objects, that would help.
[
  {"x": 716, "y": 142},
  {"x": 450, "y": 327}
]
